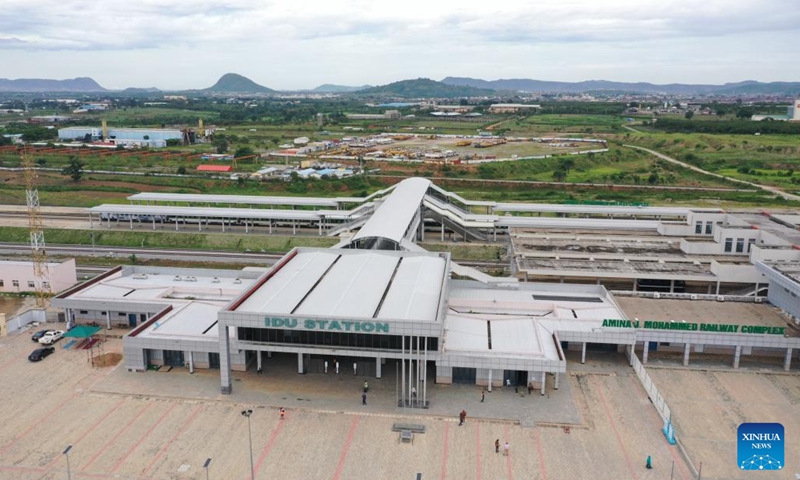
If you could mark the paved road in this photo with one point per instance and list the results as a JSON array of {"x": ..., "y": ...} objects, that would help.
[{"x": 775, "y": 190}]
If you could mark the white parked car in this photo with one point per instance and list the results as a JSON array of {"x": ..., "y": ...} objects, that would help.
[{"x": 51, "y": 337}]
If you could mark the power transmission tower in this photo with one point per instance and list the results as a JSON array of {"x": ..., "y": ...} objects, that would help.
[{"x": 38, "y": 250}]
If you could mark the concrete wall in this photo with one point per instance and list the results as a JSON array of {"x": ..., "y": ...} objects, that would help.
[
  {"x": 760, "y": 253},
  {"x": 741, "y": 273}
]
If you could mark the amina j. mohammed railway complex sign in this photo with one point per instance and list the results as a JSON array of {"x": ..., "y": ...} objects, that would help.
[{"x": 694, "y": 327}]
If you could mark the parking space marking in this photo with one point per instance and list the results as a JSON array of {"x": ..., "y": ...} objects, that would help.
[
  {"x": 36, "y": 423},
  {"x": 90, "y": 429},
  {"x": 478, "y": 448},
  {"x": 352, "y": 433},
  {"x": 538, "y": 438},
  {"x": 115, "y": 437},
  {"x": 610, "y": 418},
  {"x": 508, "y": 457},
  {"x": 272, "y": 438},
  {"x": 445, "y": 449},
  {"x": 143, "y": 437},
  {"x": 177, "y": 434}
]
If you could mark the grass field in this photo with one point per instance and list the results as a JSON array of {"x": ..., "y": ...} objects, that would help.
[{"x": 193, "y": 240}]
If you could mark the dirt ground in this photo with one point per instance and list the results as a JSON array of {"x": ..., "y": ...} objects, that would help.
[{"x": 701, "y": 311}]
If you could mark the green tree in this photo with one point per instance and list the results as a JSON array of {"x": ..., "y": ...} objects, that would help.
[
  {"x": 243, "y": 152},
  {"x": 559, "y": 174},
  {"x": 688, "y": 115},
  {"x": 181, "y": 170},
  {"x": 74, "y": 169}
]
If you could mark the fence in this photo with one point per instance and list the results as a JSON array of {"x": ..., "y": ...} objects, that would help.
[
  {"x": 662, "y": 408},
  {"x": 25, "y": 318}
]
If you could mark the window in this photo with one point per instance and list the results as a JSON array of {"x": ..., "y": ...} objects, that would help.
[
  {"x": 31, "y": 284},
  {"x": 750, "y": 243},
  {"x": 84, "y": 312},
  {"x": 15, "y": 283},
  {"x": 709, "y": 226},
  {"x": 728, "y": 245},
  {"x": 698, "y": 228},
  {"x": 2, "y": 284},
  {"x": 120, "y": 314},
  {"x": 740, "y": 245},
  {"x": 46, "y": 285}
]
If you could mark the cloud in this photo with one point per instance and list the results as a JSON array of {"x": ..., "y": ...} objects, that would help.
[{"x": 370, "y": 41}]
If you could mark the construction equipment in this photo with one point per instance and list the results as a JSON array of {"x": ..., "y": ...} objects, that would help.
[{"x": 38, "y": 249}]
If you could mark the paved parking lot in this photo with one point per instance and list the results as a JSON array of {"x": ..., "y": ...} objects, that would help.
[
  {"x": 708, "y": 406},
  {"x": 159, "y": 425}
]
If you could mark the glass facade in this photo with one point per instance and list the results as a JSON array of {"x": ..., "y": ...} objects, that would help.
[{"x": 332, "y": 339}]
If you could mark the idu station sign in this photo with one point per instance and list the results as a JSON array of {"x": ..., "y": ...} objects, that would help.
[
  {"x": 351, "y": 326},
  {"x": 694, "y": 327}
]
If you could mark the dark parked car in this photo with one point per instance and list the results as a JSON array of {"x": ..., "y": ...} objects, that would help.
[
  {"x": 41, "y": 333},
  {"x": 40, "y": 353}
]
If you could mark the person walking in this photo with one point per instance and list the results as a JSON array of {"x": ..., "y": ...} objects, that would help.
[
  {"x": 414, "y": 392},
  {"x": 462, "y": 417},
  {"x": 366, "y": 386},
  {"x": 505, "y": 449},
  {"x": 259, "y": 370},
  {"x": 483, "y": 395},
  {"x": 649, "y": 464},
  {"x": 497, "y": 446},
  {"x": 364, "y": 398},
  {"x": 283, "y": 412}
]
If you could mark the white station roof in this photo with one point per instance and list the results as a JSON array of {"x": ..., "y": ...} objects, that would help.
[
  {"x": 208, "y": 212},
  {"x": 591, "y": 209},
  {"x": 233, "y": 199},
  {"x": 353, "y": 284},
  {"x": 392, "y": 218}
]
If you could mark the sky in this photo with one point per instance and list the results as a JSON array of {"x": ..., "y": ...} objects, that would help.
[{"x": 290, "y": 45}]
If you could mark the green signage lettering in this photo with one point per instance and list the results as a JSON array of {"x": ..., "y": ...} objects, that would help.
[
  {"x": 691, "y": 327},
  {"x": 328, "y": 325}
]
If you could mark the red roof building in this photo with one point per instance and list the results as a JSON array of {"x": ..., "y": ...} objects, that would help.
[{"x": 214, "y": 168}]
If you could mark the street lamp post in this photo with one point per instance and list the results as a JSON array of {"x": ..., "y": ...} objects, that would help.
[
  {"x": 66, "y": 454},
  {"x": 205, "y": 465},
  {"x": 247, "y": 413}
]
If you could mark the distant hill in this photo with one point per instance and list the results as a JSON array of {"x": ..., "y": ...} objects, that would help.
[
  {"x": 328, "y": 88},
  {"x": 529, "y": 85},
  {"x": 235, "y": 83},
  {"x": 425, "y": 88},
  {"x": 80, "y": 84}
]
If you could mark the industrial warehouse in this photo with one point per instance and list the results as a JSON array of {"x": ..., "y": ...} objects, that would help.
[{"x": 378, "y": 300}]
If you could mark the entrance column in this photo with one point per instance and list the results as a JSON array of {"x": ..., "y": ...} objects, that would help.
[
  {"x": 378, "y": 367},
  {"x": 108, "y": 319},
  {"x": 787, "y": 360},
  {"x": 632, "y": 350},
  {"x": 544, "y": 381},
  {"x": 191, "y": 362},
  {"x": 225, "y": 361},
  {"x": 672, "y": 286},
  {"x": 258, "y": 360},
  {"x": 736, "y": 356},
  {"x": 645, "y": 350},
  {"x": 686, "y": 349},
  {"x": 299, "y": 363},
  {"x": 556, "y": 383},
  {"x": 583, "y": 353}
]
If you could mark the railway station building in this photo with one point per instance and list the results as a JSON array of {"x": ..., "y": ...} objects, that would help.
[{"x": 378, "y": 300}]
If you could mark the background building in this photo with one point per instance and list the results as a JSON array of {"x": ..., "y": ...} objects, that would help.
[{"x": 18, "y": 276}]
